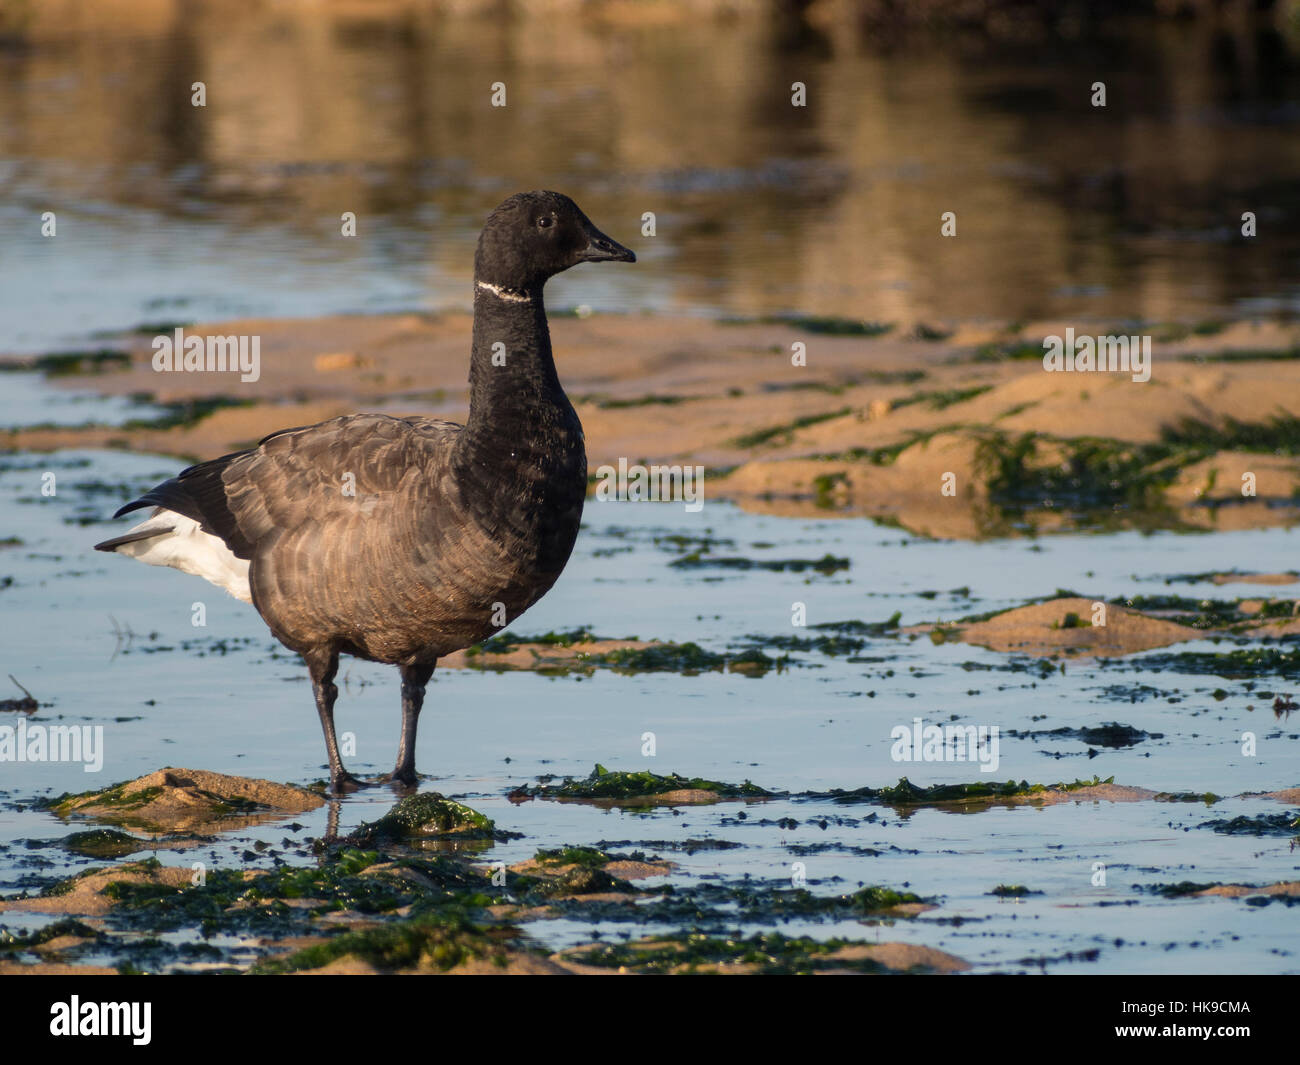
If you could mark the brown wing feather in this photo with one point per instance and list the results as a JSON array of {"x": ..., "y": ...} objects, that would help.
[{"x": 352, "y": 524}]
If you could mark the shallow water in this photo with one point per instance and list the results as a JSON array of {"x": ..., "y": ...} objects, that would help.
[
  {"x": 167, "y": 212},
  {"x": 110, "y": 642},
  {"x": 27, "y": 400}
]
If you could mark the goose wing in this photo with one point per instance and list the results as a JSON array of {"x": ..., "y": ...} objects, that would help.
[{"x": 330, "y": 476}]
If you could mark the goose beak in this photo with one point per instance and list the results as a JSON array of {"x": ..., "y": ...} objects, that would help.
[{"x": 600, "y": 249}]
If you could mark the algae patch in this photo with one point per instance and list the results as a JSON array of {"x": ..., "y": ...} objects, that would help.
[
  {"x": 905, "y": 793},
  {"x": 827, "y": 565},
  {"x": 424, "y": 944},
  {"x": 641, "y": 789},
  {"x": 102, "y": 843},
  {"x": 580, "y": 653},
  {"x": 1112, "y": 735},
  {"x": 1286, "y": 892},
  {"x": 1283, "y": 824},
  {"x": 1267, "y": 660},
  {"x": 425, "y": 817},
  {"x": 52, "y": 937}
]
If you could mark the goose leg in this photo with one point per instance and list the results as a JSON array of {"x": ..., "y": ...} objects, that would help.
[
  {"x": 414, "y": 679},
  {"x": 323, "y": 665}
]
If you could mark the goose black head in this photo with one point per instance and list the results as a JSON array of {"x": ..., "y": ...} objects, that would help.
[{"x": 536, "y": 235}]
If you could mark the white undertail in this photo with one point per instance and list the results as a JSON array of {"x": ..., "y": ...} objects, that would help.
[{"x": 183, "y": 545}]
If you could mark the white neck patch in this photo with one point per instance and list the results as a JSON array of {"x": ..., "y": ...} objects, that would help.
[{"x": 504, "y": 293}]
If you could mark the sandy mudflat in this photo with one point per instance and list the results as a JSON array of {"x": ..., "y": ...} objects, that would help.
[
  {"x": 173, "y": 800},
  {"x": 1290, "y": 889},
  {"x": 87, "y": 897},
  {"x": 869, "y": 426},
  {"x": 1065, "y": 624},
  {"x": 315, "y": 905}
]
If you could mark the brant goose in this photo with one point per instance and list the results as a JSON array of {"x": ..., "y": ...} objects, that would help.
[{"x": 401, "y": 540}]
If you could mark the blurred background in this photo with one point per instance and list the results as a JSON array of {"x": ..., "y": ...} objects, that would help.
[{"x": 168, "y": 212}]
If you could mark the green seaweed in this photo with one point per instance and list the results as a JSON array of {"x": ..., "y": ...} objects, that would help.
[
  {"x": 428, "y": 942},
  {"x": 347, "y": 879},
  {"x": 1206, "y": 613},
  {"x": 1014, "y": 350},
  {"x": 1207, "y": 797},
  {"x": 588, "y": 856},
  {"x": 688, "y": 659},
  {"x": 504, "y": 643},
  {"x": 580, "y": 880},
  {"x": 432, "y": 913},
  {"x": 1283, "y": 824},
  {"x": 827, "y": 565},
  {"x": 905, "y": 793},
  {"x": 183, "y": 413},
  {"x": 651, "y": 400},
  {"x": 883, "y": 455},
  {"x": 1181, "y": 890},
  {"x": 103, "y": 843},
  {"x": 71, "y": 363},
  {"x": 1111, "y": 734},
  {"x": 425, "y": 816},
  {"x": 785, "y": 431},
  {"x": 864, "y": 628},
  {"x": 1109, "y": 483},
  {"x": 1258, "y": 661},
  {"x": 603, "y": 784},
  {"x": 833, "y": 646},
  {"x": 824, "y": 486},
  {"x": 1279, "y": 434},
  {"x": 16, "y": 942},
  {"x": 943, "y": 398},
  {"x": 1085, "y": 473},
  {"x": 115, "y": 797}
]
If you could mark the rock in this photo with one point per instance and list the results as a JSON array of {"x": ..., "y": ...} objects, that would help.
[{"x": 180, "y": 800}]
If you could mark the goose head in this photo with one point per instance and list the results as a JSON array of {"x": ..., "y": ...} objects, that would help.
[{"x": 535, "y": 235}]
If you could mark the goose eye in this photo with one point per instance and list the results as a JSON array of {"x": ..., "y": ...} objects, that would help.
[{"x": 545, "y": 222}]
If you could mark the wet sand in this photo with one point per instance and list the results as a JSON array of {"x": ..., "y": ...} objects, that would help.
[
  {"x": 98, "y": 904},
  {"x": 330, "y": 922},
  {"x": 870, "y": 426}
]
